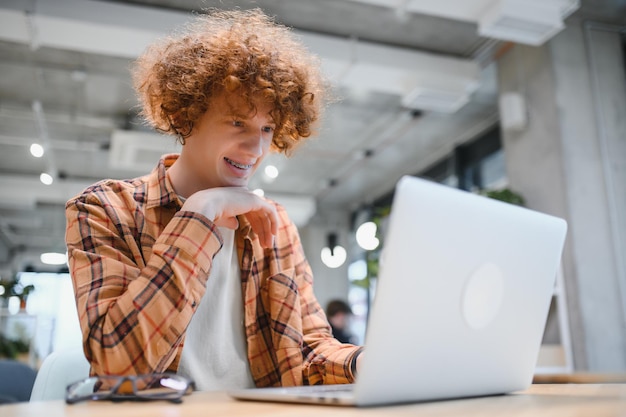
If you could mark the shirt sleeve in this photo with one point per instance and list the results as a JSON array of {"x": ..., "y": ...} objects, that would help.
[
  {"x": 326, "y": 360},
  {"x": 133, "y": 312}
]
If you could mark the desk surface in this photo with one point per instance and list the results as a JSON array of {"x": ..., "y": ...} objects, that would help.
[{"x": 537, "y": 401}]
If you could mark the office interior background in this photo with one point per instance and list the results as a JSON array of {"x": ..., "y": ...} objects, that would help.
[{"x": 514, "y": 97}]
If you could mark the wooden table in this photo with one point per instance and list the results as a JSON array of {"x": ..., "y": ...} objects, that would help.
[
  {"x": 552, "y": 400},
  {"x": 580, "y": 378}
]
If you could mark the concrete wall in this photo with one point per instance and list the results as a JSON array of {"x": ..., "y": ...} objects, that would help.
[{"x": 570, "y": 161}]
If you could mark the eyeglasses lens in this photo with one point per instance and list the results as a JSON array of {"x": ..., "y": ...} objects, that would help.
[
  {"x": 161, "y": 386},
  {"x": 157, "y": 387}
]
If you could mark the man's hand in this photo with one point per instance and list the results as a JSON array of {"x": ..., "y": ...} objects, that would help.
[{"x": 223, "y": 204}]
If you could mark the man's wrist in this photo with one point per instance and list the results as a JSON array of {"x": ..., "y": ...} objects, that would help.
[{"x": 354, "y": 365}]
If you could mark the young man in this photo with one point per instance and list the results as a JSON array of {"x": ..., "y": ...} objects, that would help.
[{"x": 185, "y": 269}]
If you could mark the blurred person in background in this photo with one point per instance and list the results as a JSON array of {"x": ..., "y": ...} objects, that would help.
[{"x": 339, "y": 316}]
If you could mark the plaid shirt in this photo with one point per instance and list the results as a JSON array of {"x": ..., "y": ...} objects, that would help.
[{"x": 139, "y": 267}]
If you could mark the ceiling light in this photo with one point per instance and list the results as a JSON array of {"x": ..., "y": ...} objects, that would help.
[
  {"x": 271, "y": 171},
  {"x": 53, "y": 258},
  {"x": 334, "y": 258},
  {"x": 333, "y": 255},
  {"x": 79, "y": 76},
  {"x": 446, "y": 99},
  {"x": 366, "y": 236},
  {"x": 46, "y": 178},
  {"x": 36, "y": 150},
  {"x": 530, "y": 22}
]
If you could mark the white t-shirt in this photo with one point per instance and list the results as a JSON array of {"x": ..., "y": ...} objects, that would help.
[{"x": 215, "y": 351}]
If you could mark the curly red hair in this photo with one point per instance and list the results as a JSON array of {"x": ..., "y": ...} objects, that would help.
[{"x": 242, "y": 52}]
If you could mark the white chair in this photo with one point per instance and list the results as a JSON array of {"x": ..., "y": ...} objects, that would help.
[{"x": 57, "y": 371}]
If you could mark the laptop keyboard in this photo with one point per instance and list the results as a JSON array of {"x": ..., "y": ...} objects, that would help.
[
  {"x": 324, "y": 388},
  {"x": 336, "y": 390}
]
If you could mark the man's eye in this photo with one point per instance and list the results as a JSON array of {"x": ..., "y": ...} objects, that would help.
[
  {"x": 237, "y": 123},
  {"x": 268, "y": 129}
]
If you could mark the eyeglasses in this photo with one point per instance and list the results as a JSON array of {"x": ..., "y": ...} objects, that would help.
[{"x": 162, "y": 386}]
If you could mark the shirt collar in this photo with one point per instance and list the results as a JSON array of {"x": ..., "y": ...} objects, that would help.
[{"x": 160, "y": 189}]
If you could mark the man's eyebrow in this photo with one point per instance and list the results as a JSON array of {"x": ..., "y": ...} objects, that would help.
[
  {"x": 233, "y": 113},
  {"x": 240, "y": 114},
  {"x": 244, "y": 116}
]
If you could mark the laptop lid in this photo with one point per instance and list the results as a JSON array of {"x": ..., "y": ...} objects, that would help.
[
  {"x": 464, "y": 287},
  {"x": 465, "y": 284}
]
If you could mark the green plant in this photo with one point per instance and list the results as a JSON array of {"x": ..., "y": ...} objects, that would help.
[
  {"x": 15, "y": 288},
  {"x": 26, "y": 291},
  {"x": 11, "y": 348},
  {"x": 505, "y": 194}
]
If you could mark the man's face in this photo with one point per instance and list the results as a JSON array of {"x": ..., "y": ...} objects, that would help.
[
  {"x": 229, "y": 142},
  {"x": 340, "y": 320}
]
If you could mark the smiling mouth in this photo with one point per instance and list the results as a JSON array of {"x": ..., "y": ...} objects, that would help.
[{"x": 238, "y": 165}]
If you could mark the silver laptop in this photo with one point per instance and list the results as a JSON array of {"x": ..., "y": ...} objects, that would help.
[{"x": 463, "y": 293}]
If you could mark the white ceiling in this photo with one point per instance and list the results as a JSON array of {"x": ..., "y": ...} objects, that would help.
[{"x": 65, "y": 83}]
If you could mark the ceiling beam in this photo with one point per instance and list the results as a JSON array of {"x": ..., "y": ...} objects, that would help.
[
  {"x": 530, "y": 22},
  {"x": 125, "y": 30}
]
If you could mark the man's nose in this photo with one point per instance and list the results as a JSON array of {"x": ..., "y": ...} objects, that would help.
[{"x": 256, "y": 140}]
